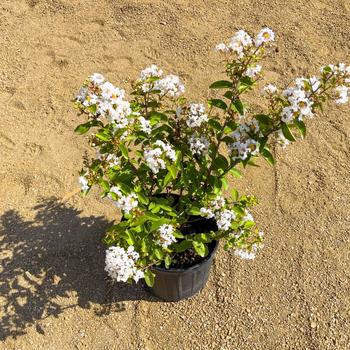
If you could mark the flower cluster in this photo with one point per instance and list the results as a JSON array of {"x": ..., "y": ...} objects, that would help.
[
  {"x": 108, "y": 100},
  {"x": 120, "y": 264},
  {"x": 125, "y": 203},
  {"x": 242, "y": 44},
  {"x": 198, "y": 145},
  {"x": 217, "y": 210},
  {"x": 154, "y": 157},
  {"x": 170, "y": 85},
  {"x": 145, "y": 125},
  {"x": 166, "y": 235},
  {"x": 196, "y": 116},
  {"x": 245, "y": 145}
]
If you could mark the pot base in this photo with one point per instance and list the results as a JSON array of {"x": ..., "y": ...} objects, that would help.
[{"x": 177, "y": 284}]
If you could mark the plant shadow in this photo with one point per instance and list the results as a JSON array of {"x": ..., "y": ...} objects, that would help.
[{"x": 57, "y": 255}]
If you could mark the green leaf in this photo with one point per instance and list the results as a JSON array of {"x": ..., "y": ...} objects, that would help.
[
  {"x": 83, "y": 128},
  {"x": 237, "y": 106},
  {"x": 194, "y": 211},
  {"x": 158, "y": 253},
  {"x": 301, "y": 126},
  {"x": 156, "y": 224},
  {"x": 173, "y": 170},
  {"x": 287, "y": 133},
  {"x": 167, "y": 261},
  {"x": 245, "y": 83},
  {"x": 105, "y": 185},
  {"x": 168, "y": 177},
  {"x": 124, "y": 150},
  {"x": 221, "y": 84},
  {"x": 182, "y": 246},
  {"x": 263, "y": 119},
  {"x": 149, "y": 278},
  {"x": 215, "y": 124},
  {"x": 92, "y": 109},
  {"x": 104, "y": 136},
  {"x": 236, "y": 173},
  {"x": 142, "y": 198},
  {"x": 268, "y": 156},
  {"x": 214, "y": 102},
  {"x": 234, "y": 195},
  {"x": 200, "y": 248},
  {"x": 178, "y": 234},
  {"x": 228, "y": 94},
  {"x": 220, "y": 163}
]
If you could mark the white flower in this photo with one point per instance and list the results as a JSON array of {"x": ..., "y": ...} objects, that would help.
[
  {"x": 120, "y": 264},
  {"x": 304, "y": 106},
  {"x": 243, "y": 37},
  {"x": 207, "y": 213},
  {"x": 218, "y": 203},
  {"x": 178, "y": 112},
  {"x": 342, "y": 94},
  {"x": 287, "y": 114},
  {"x": 221, "y": 47},
  {"x": 127, "y": 203},
  {"x": 166, "y": 236},
  {"x": 224, "y": 219},
  {"x": 138, "y": 274},
  {"x": 169, "y": 151},
  {"x": 84, "y": 183},
  {"x": 90, "y": 100},
  {"x": 198, "y": 145},
  {"x": 149, "y": 72},
  {"x": 270, "y": 89},
  {"x": 244, "y": 146},
  {"x": 152, "y": 71},
  {"x": 252, "y": 72},
  {"x": 170, "y": 85},
  {"x": 82, "y": 94},
  {"x": 239, "y": 42},
  {"x": 245, "y": 254},
  {"x": 314, "y": 83},
  {"x": 97, "y": 78},
  {"x": 145, "y": 125},
  {"x": 119, "y": 114},
  {"x": 116, "y": 190},
  {"x": 265, "y": 35},
  {"x": 248, "y": 216},
  {"x": 281, "y": 139},
  {"x": 111, "y": 93},
  {"x": 197, "y": 115},
  {"x": 153, "y": 160},
  {"x": 112, "y": 160}
]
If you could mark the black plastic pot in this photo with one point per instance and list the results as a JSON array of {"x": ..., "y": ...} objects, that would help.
[{"x": 174, "y": 284}]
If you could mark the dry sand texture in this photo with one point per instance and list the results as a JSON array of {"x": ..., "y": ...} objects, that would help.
[{"x": 53, "y": 293}]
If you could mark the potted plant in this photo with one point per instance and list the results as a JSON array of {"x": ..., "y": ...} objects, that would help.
[{"x": 165, "y": 161}]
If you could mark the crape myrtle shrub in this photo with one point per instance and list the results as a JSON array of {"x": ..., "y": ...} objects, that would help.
[{"x": 154, "y": 141}]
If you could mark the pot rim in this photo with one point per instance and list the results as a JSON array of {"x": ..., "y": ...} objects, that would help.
[{"x": 193, "y": 267}]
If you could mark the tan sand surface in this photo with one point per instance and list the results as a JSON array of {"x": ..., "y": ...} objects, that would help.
[{"x": 53, "y": 291}]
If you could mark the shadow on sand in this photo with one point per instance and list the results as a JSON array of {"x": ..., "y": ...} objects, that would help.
[{"x": 58, "y": 254}]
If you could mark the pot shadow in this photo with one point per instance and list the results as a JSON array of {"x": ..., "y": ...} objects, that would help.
[{"x": 57, "y": 255}]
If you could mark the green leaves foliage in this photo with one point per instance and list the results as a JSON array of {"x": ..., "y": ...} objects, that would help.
[
  {"x": 83, "y": 128},
  {"x": 149, "y": 277},
  {"x": 221, "y": 84},
  {"x": 200, "y": 248},
  {"x": 214, "y": 102},
  {"x": 287, "y": 132}
]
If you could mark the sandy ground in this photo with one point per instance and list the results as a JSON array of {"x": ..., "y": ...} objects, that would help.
[{"x": 53, "y": 291}]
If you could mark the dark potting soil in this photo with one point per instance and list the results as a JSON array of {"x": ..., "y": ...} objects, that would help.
[{"x": 189, "y": 257}]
